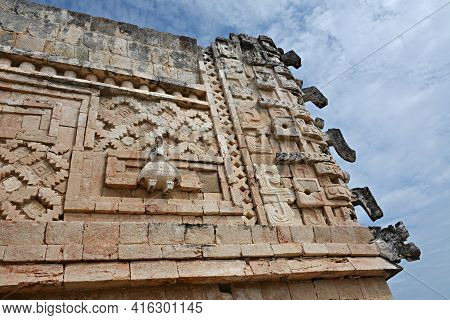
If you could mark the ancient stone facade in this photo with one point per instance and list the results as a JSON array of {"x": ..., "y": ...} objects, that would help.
[{"x": 135, "y": 159}]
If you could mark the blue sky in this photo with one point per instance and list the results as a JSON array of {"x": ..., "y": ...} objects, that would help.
[{"x": 393, "y": 108}]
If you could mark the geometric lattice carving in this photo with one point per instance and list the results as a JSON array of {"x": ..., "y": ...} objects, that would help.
[
  {"x": 226, "y": 129},
  {"x": 126, "y": 123},
  {"x": 27, "y": 181}
]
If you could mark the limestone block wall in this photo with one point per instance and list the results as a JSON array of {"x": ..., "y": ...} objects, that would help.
[
  {"x": 135, "y": 159},
  {"x": 97, "y": 44}
]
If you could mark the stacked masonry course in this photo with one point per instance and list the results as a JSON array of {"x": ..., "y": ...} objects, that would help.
[{"x": 136, "y": 160}]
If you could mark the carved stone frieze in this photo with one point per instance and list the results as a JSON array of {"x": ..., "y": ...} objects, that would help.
[
  {"x": 392, "y": 243},
  {"x": 330, "y": 169},
  {"x": 258, "y": 141},
  {"x": 126, "y": 123},
  {"x": 285, "y": 128},
  {"x": 338, "y": 192},
  {"x": 308, "y": 193},
  {"x": 240, "y": 90},
  {"x": 306, "y": 157},
  {"x": 264, "y": 78},
  {"x": 276, "y": 198}
]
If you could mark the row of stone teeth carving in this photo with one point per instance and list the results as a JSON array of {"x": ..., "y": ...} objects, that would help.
[{"x": 29, "y": 67}]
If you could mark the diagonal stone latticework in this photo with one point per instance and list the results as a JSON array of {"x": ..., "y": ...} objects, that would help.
[{"x": 136, "y": 159}]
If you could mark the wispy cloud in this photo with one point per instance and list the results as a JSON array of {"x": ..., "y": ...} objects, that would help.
[{"x": 393, "y": 109}]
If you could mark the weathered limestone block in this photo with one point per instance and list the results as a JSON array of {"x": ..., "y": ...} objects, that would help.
[
  {"x": 233, "y": 234},
  {"x": 14, "y": 274},
  {"x": 222, "y": 251},
  {"x": 338, "y": 249},
  {"x": 284, "y": 234},
  {"x": 181, "y": 251},
  {"x": 54, "y": 253},
  {"x": 64, "y": 233},
  {"x": 264, "y": 234},
  {"x": 343, "y": 234},
  {"x": 375, "y": 288},
  {"x": 11, "y": 233},
  {"x": 100, "y": 240},
  {"x": 361, "y": 250},
  {"x": 211, "y": 269},
  {"x": 25, "y": 253},
  {"x": 247, "y": 292},
  {"x": 275, "y": 291},
  {"x": 257, "y": 250},
  {"x": 166, "y": 233},
  {"x": 314, "y": 249},
  {"x": 301, "y": 234},
  {"x": 199, "y": 234},
  {"x": 133, "y": 232},
  {"x": 85, "y": 273},
  {"x": 322, "y": 234},
  {"x": 151, "y": 270},
  {"x": 139, "y": 252}
]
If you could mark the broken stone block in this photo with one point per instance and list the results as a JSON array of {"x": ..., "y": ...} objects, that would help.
[
  {"x": 314, "y": 249},
  {"x": 181, "y": 251},
  {"x": 287, "y": 249},
  {"x": 301, "y": 234},
  {"x": 222, "y": 251},
  {"x": 25, "y": 253},
  {"x": 11, "y": 233},
  {"x": 257, "y": 250}
]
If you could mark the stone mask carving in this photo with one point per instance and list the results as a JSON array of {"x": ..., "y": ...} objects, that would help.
[{"x": 158, "y": 173}]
